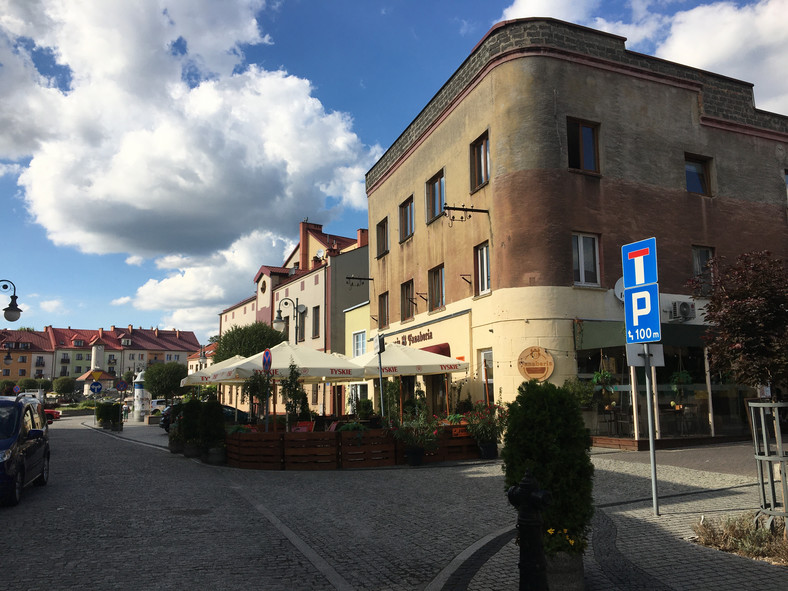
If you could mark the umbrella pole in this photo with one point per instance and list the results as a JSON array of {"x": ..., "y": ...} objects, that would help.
[
  {"x": 400, "y": 400},
  {"x": 275, "y": 392},
  {"x": 447, "y": 395}
]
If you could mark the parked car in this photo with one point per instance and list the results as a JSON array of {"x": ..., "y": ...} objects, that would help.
[
  {"x": 52, "y": 414},
  {"x": 157, "y": 405},
  {"x": 166, "y": 419},
  {"x": 24, "y": 446},
  {"x": 230, "y": 415}
]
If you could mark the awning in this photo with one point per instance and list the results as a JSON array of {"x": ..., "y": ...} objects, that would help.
[
  {"x": 441, "y": 349},
  {"x": 601, "y": 334}
]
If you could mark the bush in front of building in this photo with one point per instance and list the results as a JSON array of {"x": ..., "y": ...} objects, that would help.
[{"x": 545, "y": 435}]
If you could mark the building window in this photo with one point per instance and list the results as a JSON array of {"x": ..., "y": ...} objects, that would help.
[
  {"x": 169, "y": 357},
  {"x": 383, "y": 310},
  {"x": 131, "y": 356},
  {"x": 359, "y": 343},
  {"x": 585, "y": 259},
  {"x": 6, "y": 372},
  {"x": 407, "y": 301},
  {"x": 482, "y": 257},
  {"x": 314, "y": 393},
  {"x": 486, "y": 359},
  {"x": 697, "y": 173},
  {"x": 701, "y": 255},
  {"x": 437, "y": 293},
  {"x": 383, "y": 237},
  {"x": 406, "y": 219},
  {"x": 315, "y": 322},
  {"x": 78, "y": 356},
  {"x": 177, "y": 357},
  {"x": 582, "y": 144},
  {"x": 301, "y": 326},
  {"x": 436, "y": 196},
  {"x": 142, "y": 356},
  {"x": 78, "y": 369},
  {"x": 21, "y": 372},
  {"x": 480, "y": 162}
]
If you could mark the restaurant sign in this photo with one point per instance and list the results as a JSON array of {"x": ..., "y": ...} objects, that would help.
[{"x": 535, "y": 363}]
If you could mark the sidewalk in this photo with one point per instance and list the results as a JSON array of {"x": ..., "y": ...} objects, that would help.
[{"x": 630, "y": 547}]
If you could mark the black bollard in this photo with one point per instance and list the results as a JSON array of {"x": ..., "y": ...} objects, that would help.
[{"x": 529, "y": 500}]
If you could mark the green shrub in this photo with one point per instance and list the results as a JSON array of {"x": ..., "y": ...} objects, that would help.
[
  {"x": 545, "y": 435},
  {"x": 108, "y": 411},
  {"x": 364, "y": 408},
  {"x": 212, "y": 423},
  {"x": 190, "y": 421}
]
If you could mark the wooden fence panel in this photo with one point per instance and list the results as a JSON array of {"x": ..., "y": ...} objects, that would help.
[
  {"x": 259, "y": 451},
  {"x": 311, "y": 451},
  {"x": 367, "y": 449}
]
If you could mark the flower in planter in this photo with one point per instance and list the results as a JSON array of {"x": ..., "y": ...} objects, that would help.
[
  {"x": 486, "y": 422},
  {"x": 418, "y": 431}
]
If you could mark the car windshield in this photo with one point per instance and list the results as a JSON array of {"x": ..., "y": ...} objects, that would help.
[{"x": 8, "y": 419}]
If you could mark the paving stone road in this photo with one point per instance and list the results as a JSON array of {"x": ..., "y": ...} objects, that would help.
[{"x": 121, "y": 512}]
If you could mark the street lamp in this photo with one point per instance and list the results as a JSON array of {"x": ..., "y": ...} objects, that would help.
[
  {"x": 12, "y": 312},
  {"x": 279, "y": 322}
]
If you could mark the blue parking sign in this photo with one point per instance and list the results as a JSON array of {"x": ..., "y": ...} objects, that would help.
[{"x": 641, "y": 312}]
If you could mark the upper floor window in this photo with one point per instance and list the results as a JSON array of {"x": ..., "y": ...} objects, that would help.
[
  {"x": 359, "y": 343},
  {"x": 701, "y": 255},
  {"x": 406, "y": 219},
  {"x": 482, "y": 257},
  {"x": 582, "y": 144},
  {"x": 480, "y": 162},
  {"x": 301, "y": 325},
  {"x": 315, "y": 322},
  {"x": 697, "y": 174},
  {"x": 383, "y": 310},
  {"x": 407, "y": 300},
  {"x": 383, "y": 236},
  {"x": 437, "y": 288},
  {"x": 585, "y": 259},
  {"x": 436, "y": 196}
]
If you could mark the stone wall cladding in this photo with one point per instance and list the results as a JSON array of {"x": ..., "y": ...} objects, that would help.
[{"x": 721, "y": 97}]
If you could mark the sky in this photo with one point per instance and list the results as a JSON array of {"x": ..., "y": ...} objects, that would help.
[{"x": 154, "y": 154}]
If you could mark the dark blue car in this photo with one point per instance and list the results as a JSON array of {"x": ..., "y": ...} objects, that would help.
[{"x": 24, "y": 446}]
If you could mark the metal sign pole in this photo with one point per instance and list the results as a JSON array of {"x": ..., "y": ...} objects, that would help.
[{"x": 649, "y": 406}]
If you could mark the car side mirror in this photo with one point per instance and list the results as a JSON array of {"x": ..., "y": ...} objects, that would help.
[{"x": 35, "y": 434}]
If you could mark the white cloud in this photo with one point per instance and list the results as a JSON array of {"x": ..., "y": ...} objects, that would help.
[
  {"x": 52, "y": 306},
  {"x": 166, "y": 146},
  {"x": 575, "y": 11},
  {"x": 121, "y": 301}
]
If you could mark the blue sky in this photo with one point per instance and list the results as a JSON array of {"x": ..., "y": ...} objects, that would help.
[{"x": 153, "y": 154}]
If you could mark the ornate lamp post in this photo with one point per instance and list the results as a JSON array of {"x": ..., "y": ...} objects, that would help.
[
  {"x": 279, "y": 322},
  {"x": 12, "y": 311}
]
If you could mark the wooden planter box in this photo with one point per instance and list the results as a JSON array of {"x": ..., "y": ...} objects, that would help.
[
  {"x": 367, "y": 449},
  {"x": 260, "y": 451},
  {"x": 311, "y": 451}
]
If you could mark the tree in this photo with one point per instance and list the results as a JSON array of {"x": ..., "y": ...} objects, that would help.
[
  {"x": 163, "y": 380},
  {"x": 27, "y": 384},
  {"x": 246, "y": 341},
  {"x": 45, "y": 384},
  {"x": 296, "y": 403},
  {"x": 65, "y": 385},
  {"x": 256, "y": 388},
  {"x": 128, "y": 377},
  {"x": 747, "y": 311}
]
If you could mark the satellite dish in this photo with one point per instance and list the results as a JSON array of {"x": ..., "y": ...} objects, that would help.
[
  {"x": 619, "y": 289},
  {"x": 320, "y": 253}
]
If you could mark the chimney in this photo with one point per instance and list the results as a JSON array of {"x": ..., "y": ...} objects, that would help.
[
  {"x": 112, "y": 328},
  {"x": 156, "y": 332},
  {"x": 177, "y": 333},
  {"x": 101, "y": 332},
  {"x": 303, "y": 245},
  {"x": 130, "y": 328},
  {"x": 362, "y": 237}
]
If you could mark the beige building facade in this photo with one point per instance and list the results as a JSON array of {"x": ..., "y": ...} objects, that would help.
[{"x": 498, "y": 216}]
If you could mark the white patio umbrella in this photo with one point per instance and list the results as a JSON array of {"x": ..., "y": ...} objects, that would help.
[
  {"x": 314, "y": 366},
  {"x": 399, "y": 360},
  {"x": 203, "y": 376}
]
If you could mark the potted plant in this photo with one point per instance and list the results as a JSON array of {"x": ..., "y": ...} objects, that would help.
[
  {"x": 212, "y": 432},
  {"x": 605, "y": 380},
  {"x": 486, "y": 423},
  {"x": 678, "y": 380},
  {"x": 190, "y": 428},
  {"x": 175, "y": 433},
  {"x": 545, "y": 436},
  {"x": 418, "y": 433}
]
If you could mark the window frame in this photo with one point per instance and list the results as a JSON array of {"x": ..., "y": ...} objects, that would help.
[
  {"x": 435, "y": 200},
  {"x": 482, "y": 275},
  {"x": 578, "y": 255},
  {"x": 301, "y": 336},
  {"x": 383, "y": 310},
  {"x": 359, "y": 342},
  {"x": 576, "y": 148},
  {"x": 407, "y": 308},
  {"x": 382, "y": 237},
  {"x": 436, "y": 296},
  {"x": 700, "y": 269},
  {"x": 406, "y": 219},
  {"x": 704, "y": 163},
  {"x": 315, "y": 322},
  {"x": 480, "y": 161}
]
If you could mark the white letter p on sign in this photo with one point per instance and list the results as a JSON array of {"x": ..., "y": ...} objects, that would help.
[{"x": 641, "y": 306}]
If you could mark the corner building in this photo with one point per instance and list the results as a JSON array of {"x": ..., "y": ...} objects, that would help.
[{"x": 497, "y": 217}]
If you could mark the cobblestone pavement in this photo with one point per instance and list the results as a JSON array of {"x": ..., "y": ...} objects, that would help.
[{"x": 121, "y": 512}]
